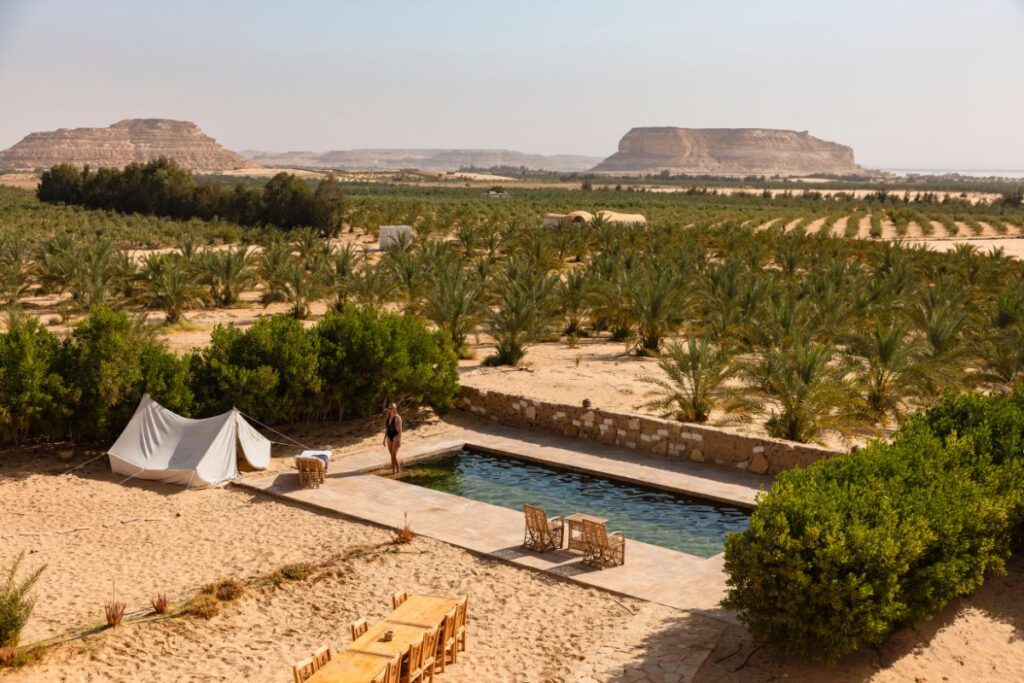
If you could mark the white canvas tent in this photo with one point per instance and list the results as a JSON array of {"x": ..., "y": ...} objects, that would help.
[{"x": 161, "y": 445}]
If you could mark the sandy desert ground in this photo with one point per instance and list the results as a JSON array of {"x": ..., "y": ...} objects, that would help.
[
  {"x": 145, "y": 538},
  {"x": 93, "y": 532}
]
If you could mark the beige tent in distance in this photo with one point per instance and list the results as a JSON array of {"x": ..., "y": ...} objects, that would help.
[{"x": 552, "y": 220}]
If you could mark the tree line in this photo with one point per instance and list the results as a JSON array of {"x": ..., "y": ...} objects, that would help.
[
  {"x": 86, "y": 387},
  {"x": 163, "y": 188}
]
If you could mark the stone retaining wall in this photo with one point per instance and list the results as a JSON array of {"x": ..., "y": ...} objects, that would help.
[{"x": 672, "y": 439}]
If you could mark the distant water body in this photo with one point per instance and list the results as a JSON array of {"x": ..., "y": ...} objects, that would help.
[{"x": 980, "y": 173}]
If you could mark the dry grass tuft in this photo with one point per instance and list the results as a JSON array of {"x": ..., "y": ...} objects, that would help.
[
  {"x": 225, "y": 590},
  {"x": 160, "y": 603},
  {"x": 204, "y": 606},
  {"x": 299, "y": 571},
  {"x": 404, "y": 534},
  {"x": 7, "y": 654}
]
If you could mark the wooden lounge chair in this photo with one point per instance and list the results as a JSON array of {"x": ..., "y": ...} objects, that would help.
[
  {"x": 461, "y": 610},
  {"x": 429, "y": 660},
  {"x": 542, "y": 534},
  {"x": 414, "y": 667},
  {"x": 321, "y": 656},
  {"x": 446, "y": 641},
  {"x": 359, "y": 627},
  {"x": 398, "y": 598},
  {"x": 303, "y": 670},
  {"x": 601, "y": 548},
  {"x": 311, "y": 472}
]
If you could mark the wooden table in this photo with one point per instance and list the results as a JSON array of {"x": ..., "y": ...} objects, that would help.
[
  {"x": 371, "y": 642},
  {"x": 350, "y": 667},
  {"x": 575, "y": 523},
  {"x": 427, "y": 611}
]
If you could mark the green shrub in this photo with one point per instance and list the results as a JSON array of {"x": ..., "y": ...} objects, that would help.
[
  {"x": 109, "y": 363},
  {"x": 268, "y": 371},
  {"x": 33, "y": 396},
  {"x": 16, "y": 604},
  {"x": 841, "y": 553},
  {"x": 368, "y": 357}
]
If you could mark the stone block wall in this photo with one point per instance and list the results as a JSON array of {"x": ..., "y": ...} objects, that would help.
[{"x": 712, "y": 445}]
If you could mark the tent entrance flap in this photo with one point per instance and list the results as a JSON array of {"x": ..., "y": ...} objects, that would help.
[{"x": 161, "y": 445}]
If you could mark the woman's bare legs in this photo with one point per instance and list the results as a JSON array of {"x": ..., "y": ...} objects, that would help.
[{"x": 393, "y": 446}]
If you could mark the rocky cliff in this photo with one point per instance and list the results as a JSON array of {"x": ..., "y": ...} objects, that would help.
[
  {"x": 728, "y": 151},
  {"x": 122, "y": 143}
]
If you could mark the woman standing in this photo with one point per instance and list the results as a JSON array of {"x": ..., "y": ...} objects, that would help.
[{"x": 393, "y": 436}]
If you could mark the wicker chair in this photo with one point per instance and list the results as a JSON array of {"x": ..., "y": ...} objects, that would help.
[
  {"x": 542, "y": 534},
  {"x": 601, "y": 548},
  {"x": 303, "y": 670},
  {"x": 311, "y": 472},
  {"x": 446, "y": 641},
  {"x": 358, "y": 628},
  {"x": 398, "y": 598},
  {"x": 429, "y": 661},
  {"x": 321, "y": 656},
  {"x": 414, "y": 668}
]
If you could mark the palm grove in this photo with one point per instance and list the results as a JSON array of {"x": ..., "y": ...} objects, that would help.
[{"x": 813, "y": 335}]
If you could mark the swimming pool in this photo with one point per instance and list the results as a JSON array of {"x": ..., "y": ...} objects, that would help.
[{"x": 671, "y": 520}]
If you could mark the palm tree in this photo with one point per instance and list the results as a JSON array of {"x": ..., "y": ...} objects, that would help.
[
  {"x": 167, "y": 285},
  {"x": 406, "y": 269},
  {"x": 452, "y": 300},
  {"x": 697, "y": 372},
  {"x": 98, "y": 270},
  {"x": 656, "y": 302},
  {"x": 274, "y": 265},
  {"x": 1002, "y": 349},
  {"x": 16, "y": 265},
  {"x": 813, "y": 395},
  {"x": 891, "y": 369},
  {"x": 371, "y": 285},
  {"x": 301, "y": 287},
  {"x": 340, "y": 273},
  {"x": 227, "y": 273},
  {"x": 523, "y": 311},
  {"x": 574, "y": 301}
]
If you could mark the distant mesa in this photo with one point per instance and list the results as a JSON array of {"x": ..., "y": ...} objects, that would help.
[
  {"x": 423, "y": 159},
  {"x": 729, "y": 152},
  {"x": 124, "y": 142}
]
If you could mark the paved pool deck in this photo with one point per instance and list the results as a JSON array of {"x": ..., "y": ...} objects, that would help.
[{"x": 651, "y": 573}]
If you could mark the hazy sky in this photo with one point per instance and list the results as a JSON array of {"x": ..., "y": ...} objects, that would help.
[{"x": 907, "y": 83}]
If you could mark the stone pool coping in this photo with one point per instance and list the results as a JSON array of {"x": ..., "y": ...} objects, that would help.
[{"x": 651, "y": 573}]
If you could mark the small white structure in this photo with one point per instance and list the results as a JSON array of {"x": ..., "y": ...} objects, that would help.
[
  {"x": 388, "y": 234},
  {"x": 163, "y": 446}
]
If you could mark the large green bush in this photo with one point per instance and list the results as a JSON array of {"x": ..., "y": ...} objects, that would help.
[
  {"x": 33, "y": 396},
  {"x": 109, "y": 363},
  {"x": 268, "y": 371},
  {"x": 368, "y": 357},
  {"x": 841, "y": 553}
]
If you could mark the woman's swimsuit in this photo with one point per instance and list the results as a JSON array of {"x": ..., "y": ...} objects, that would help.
[{"x": 391, "y": 427}]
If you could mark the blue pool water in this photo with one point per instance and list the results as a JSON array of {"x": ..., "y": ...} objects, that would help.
[{"x": 690, "y": 525}]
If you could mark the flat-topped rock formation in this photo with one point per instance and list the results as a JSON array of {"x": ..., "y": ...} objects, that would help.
[
  {"x": 124, "y": 142},
  {"x": 728, "y": 151},
  {"x": 423, "y": 159}
]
